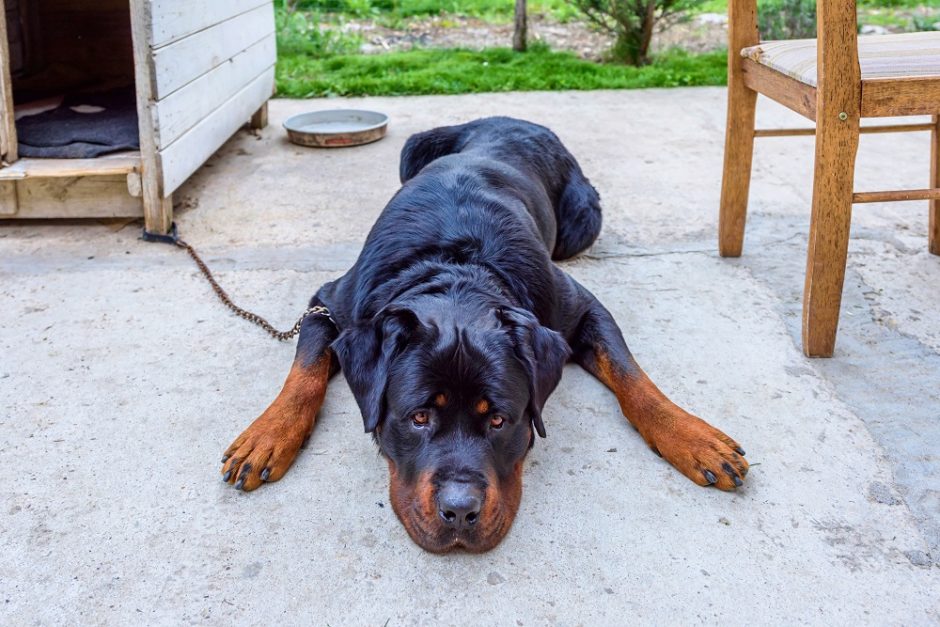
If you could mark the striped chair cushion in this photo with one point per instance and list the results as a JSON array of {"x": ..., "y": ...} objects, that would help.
[{"x": 880, "y": 56}]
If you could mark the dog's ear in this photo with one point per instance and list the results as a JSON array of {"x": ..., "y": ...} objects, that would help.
[
  {"x": 366, "y": 352},
  {"x": 541, "y": 351},
  {"x": 423, "y": 148}
]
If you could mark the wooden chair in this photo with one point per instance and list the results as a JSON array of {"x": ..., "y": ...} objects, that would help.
[{"x": 823, "y": 80}]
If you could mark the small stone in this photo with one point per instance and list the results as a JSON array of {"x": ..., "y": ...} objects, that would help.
[
  {"x": 252, "y": 570},
  {"x": 494, "y": 578},
  {"x": 612, "y": 450},
  {"x": 880, "y": 493},
  {"x": 712, "y": 18},
  {"x": 724, "y": 521},
  {"x": 608, "y": 590},
  {"x": 918, "y": 558},
  {"x": 873, "y": 29}
]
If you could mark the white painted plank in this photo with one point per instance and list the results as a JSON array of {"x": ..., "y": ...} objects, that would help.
[
  {"x": 172, "y": 20},
  {"x": 184, "y": 156},
  {"x": 187, "y": 59},
  {"x": 184, "y": 108}
]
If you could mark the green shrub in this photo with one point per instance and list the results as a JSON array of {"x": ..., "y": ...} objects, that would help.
[
  {"x": 300, "y": 32},
  {"x": 924, "y": 22},
  {"x": 633, "y": 22},
  {"x": 786, "y": 19}
]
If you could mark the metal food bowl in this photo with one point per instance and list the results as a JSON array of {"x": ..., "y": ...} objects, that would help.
[{"x": 336, "y": 128}]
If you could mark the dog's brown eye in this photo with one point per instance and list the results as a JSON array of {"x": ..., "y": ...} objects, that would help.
[
  {"x": 496, "y": 422},
  {"x": 420, "y": 418}
]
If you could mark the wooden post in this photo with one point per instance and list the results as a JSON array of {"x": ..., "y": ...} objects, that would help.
[
  {"x": 739, "y": 132},
  {"x": 838, "y": 112},
  {"x": 259, "y": 119},
  {"x": 8, "y": 141},
  {"x": 158, "y": 207},
  {"x": 520, "y": 30},
  {"x": 934, "y": 209}
]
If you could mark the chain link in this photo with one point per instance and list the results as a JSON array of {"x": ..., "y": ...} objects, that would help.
[{"x": 251, "y": 317}]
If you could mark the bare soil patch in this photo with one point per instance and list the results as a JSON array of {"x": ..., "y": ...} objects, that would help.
[{"x": 701, "y": 34}]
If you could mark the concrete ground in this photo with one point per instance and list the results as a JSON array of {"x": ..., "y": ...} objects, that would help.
[{"x": 122, "y": 380}]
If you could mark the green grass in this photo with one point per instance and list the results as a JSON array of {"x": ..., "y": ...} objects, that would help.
[
  {"x": 491, "y": 70},
  {"x": 318, "y": 60}
]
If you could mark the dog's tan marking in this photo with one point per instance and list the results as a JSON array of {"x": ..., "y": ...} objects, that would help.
[
  {"x": 273, "y": 440},
  {"x": 687, "y": 442}
]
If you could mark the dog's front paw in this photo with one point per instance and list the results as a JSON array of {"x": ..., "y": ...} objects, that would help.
[
  {"x": 700, "y": 452},
  {"x": 265, "y": 450}
]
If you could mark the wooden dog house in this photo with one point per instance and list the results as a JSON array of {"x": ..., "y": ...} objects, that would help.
[{"x": 200, "y": 70}]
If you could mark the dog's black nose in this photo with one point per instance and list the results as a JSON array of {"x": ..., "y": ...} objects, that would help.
[{"x": 459, "y": 504}]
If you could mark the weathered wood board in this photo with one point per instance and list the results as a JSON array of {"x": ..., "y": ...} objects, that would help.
[
  {"x": 76, "y": 197},
  {"x": 183, "y": 109},
  {"x": 181, "y": 158},
  {"x": 179, "y": 63},
  {"x": 172, "y": 20}
]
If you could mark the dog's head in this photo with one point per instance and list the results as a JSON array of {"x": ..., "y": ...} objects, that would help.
[{"x": 454, "y": 400}]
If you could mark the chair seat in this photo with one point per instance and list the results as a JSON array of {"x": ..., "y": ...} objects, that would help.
[{"x": 904, "y": 56}]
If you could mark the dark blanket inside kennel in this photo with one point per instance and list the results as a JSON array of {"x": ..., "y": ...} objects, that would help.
[{"x": 71, "y": 63}]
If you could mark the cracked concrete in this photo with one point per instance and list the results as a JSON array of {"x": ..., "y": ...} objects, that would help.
[{"x": 121, "y": 381}]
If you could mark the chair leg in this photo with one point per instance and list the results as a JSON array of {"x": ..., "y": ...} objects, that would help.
[
  {"x": 736, "y": 175},
  {"x": 934, "y": 219},
  {"x": 836, "y": 147}
]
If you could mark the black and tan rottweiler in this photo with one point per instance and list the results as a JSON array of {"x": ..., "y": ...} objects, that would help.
[{"x": 452, "y": 329}]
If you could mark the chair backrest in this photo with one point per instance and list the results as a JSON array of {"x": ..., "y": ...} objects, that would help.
[
  {"x": 832, "y": 15},
  {"x": 836, "y": 34},
  {"x": 839, "y": 77}
]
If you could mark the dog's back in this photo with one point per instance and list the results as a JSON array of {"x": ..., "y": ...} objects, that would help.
[{"x": 572, "y": 221}]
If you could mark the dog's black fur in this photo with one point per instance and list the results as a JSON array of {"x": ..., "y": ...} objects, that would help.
[{"x": 453, "y": 326}]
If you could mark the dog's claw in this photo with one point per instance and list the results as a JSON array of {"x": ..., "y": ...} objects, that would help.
[
  {"x": 739, "y": 451},
  {"x": 265, "y": 474},
  {"x": 225, "y": 458},
  {"x": 737, "y": 481},
  {"x": 710, "y": 476},
  {"x": 240, "y": 484},
  {"x": 227, "y": 476}
]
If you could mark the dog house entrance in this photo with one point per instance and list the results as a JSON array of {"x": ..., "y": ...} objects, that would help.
[{"x": 69, "y": 119}]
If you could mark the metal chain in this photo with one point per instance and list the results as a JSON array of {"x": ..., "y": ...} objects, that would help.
[{"x": 251, "y": 317}]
